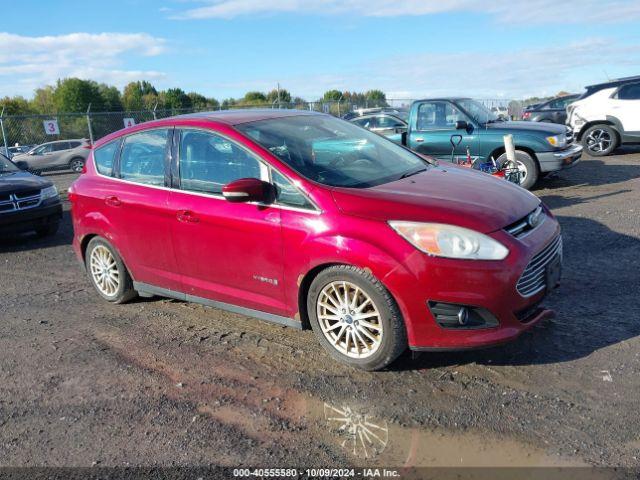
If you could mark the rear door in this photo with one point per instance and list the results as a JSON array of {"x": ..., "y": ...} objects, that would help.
[
  {"x": 58, "y": 158},
  {"x": 227, "y": 252},
  {"x": 136, "y": 206}
]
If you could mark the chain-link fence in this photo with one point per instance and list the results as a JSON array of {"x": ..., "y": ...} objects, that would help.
[{"x": 25, "y": 130}]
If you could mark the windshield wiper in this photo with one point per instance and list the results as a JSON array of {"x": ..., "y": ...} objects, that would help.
[{"x": 413, "y": 172}]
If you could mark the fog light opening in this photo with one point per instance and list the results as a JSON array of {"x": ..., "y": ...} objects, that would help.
[
  {"x": 457, "y": 316},
  {"x": 463, "y": 316}
]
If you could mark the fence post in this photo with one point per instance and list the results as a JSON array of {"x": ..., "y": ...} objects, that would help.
[
  {"x": 89, "y": 124},
  {"x": 4, "y": 137},
  {"x": 154, "y": 111}
]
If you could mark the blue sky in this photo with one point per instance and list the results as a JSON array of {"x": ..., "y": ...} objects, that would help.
[{"x": 411, "y": 48}]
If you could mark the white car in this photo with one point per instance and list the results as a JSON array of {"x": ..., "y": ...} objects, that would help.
[{"x": 606, "y": 116}]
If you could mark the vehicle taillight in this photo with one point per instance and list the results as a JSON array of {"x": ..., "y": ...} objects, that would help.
[{"x": 84, "y": 168}]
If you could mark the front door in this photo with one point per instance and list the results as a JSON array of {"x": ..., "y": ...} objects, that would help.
[
  {"x": 228, "y": 252},
  {"x": 435, "y": 125}
]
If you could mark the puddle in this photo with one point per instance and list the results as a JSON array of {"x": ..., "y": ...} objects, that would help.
[{"x": 251, "y": 401}]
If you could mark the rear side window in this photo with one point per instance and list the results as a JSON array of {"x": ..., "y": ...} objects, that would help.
[
  {"x": 386, "y": 121},
  {"x": 629, "y": 92},
  {"x": 105, "y": 156},
  {"x": 74, "y": 144},
  {"x": 209, "y": 161},
  {"x": 59, "y": 146},
  {"x": 142, "y": 157},
  {"x": 367, "y": 122}
]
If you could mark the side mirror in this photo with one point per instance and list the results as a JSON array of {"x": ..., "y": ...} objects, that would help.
[
  {"x": 248, "y": 190},
  {"x": 462, "y": 125}
]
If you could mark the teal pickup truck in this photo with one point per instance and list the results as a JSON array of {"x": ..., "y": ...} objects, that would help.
[{"x": 541, "y": 148}]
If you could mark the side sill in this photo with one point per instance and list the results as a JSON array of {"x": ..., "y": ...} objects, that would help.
[{"x": 144, "y": 288}]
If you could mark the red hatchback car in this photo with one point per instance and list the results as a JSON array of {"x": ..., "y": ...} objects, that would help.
[{"x": 306, "y": 220}]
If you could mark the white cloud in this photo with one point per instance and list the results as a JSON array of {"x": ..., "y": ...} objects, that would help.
[
  {"x": 508, "y": 11},
  {"x": 30, "y": 62},
  {"x": 511, "y": 74}
]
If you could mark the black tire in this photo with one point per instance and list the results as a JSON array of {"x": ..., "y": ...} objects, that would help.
[
  {"x": 48, "y": 230},
  {"x": 124, "y": 291},
  {"x": 394, "y": 336},
  {"x": 526, "y": 161},
  {"x": 77, "y": 164},
  {"x": 600, "y": 140}
]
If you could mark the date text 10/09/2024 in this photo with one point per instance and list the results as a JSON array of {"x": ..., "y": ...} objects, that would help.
[{"x": 317, "y": 472}]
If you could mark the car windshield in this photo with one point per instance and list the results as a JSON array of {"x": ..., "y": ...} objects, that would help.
[
  {"x": 6, "y": 165},
  {"x": 478, "y": 111},
  {"x": 334, "y": 152}
]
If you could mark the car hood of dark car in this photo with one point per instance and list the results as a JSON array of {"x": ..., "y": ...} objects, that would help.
[
  {"x": 444, "y": 194},
  {"x": 542, "y": 127},
  {"x": 16, "y": 182}
]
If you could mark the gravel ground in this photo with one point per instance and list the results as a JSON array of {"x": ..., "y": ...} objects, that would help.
[{"x": 162, "y": 382}]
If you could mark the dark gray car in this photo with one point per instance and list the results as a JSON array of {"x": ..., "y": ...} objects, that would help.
[
  {"x": 59, "y": 155},
  {"x": 552, "y": 111}
]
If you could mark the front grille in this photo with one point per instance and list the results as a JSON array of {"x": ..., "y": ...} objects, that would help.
[
  {"x": 526, "y": 224},
  {"x": 20, "y": 201},
  {"x": 532, "y": 280}
]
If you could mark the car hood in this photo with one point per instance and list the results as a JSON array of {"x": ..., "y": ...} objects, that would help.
[
  {"x": 444, "y": 194},
  {"x": 543, "y": 127},
  {"x": 16, "y": 182}
]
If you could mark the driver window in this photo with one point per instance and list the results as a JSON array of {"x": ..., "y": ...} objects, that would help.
[
  {"x": 209, "y": 161},
  {"x": 437, "y": 116},
  {"x": 44, "y": 149}
]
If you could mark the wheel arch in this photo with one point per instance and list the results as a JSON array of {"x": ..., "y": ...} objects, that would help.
[
  {"x": 303, "y": 290},
  {"x": 612, "y": 122},
  {"x": 500, "y": 150}
]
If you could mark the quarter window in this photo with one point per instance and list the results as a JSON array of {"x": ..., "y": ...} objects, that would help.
[
  {"x": 629, "y": 92},
  {"x": 287, "y": 193},
  {"x": 105, "y": 156},
  {"x": 142, "y": 158},
  {"x": 209, "y": 161}
]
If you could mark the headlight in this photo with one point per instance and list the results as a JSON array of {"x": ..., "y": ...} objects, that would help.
[
  {"x": 557, "y": 141},
  {"x": 49, "y": 192},
  {"x": 450, "y": 241}
]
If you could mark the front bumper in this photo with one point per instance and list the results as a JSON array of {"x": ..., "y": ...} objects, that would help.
[
  {"x": 488, "y": 285},
  {"x": 559, "y": 160},
  {"x": 30, "y": 219}
]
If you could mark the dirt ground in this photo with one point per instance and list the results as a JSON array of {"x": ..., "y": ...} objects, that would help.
[{"x": 162, "y": 382}]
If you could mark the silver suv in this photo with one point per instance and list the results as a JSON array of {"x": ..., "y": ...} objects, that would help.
[{"x": 58, "y": 155}]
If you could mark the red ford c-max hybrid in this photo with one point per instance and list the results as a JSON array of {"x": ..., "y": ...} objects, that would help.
[{"x": 304, "y": 219}]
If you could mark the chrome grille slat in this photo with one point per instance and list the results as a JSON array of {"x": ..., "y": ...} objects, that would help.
[
  {"x": 532, "y": 280},
  {"x": 18, "y": 203}
]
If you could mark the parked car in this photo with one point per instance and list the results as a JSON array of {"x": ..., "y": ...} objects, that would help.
[
  {"x": 385, "y": 124},
  {"x": 607, "y": 115},
  {"x": 552, "y": 111},
  {"x": 401, "y": 113},
  {"x": 541, "y": 148},
  {"x": 27, "y": 202},
  {"x": 303, "y": 219},
  {"x": 501, "y": 112},
  {"x": 58, "y": 155}
]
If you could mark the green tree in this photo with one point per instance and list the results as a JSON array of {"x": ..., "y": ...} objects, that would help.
[
  {"x": 284, "y": 95},
  {"x": 42, "y": 101},
  {"x": 176, "y": 98},
  {"x": 254, "y": 98},
  {"x": 111, "y": 98},
  {"x": 75, "y": 95},
  {"x": 138, "y": 95},
  {"x": 200, "y": 102},
  {"x": 332, "y": 96},
  {"x": 15, "y": 105},
  {"x": 376, "y": 98},
  {"x": 228, "y": 103}
]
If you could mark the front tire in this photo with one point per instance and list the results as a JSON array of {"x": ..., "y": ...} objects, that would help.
[
  {"x": 599, "y": 140},
  {"x": 107, "y": 272},
  {"x": 527, "y": 167},
  {"x": 355, "y": 318}
]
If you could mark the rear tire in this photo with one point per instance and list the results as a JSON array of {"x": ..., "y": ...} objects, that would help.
[
  {"x": 369, "y": 332},
  {"x": 76, "y": 165},
  {"x": 529, "y": 171},
  {"x": 600, "y": 140},
  {"x": 107, "y": 272}
]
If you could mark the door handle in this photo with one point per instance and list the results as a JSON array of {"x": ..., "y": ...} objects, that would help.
[
  {"x": 419, "y": 139},
  {"x": 186, "y": 216},
  {"x": 113, "y": 201}
]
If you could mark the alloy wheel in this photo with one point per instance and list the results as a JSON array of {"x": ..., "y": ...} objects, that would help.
[
  {"x": 599, "y": 140},
  {"x": 349, "y": 319},
  {"x": 77, "y": 166},
  {"x": 104, "y": 271}
]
